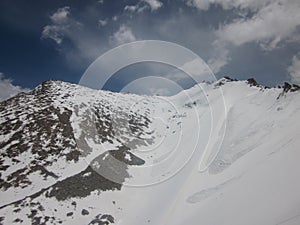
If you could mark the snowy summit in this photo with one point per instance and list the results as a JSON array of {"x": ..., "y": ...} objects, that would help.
[{"x": 219, "y": 153}]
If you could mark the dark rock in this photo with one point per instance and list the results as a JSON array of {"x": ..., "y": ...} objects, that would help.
[
  {"x": 295, "y": 88},
  {"x": 70, "y": 214},
  {"x": 252, "y": 82},
  {"x": 229, "y": 78},
  {"x": 18, "y": 220},
  {"x": 102, "y": 220},
  {"x": 84, "y": 212},
  {"x": 286, "y": 87}
]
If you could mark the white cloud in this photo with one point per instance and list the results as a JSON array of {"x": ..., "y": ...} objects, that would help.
[
  {"x": 139, "y": 8},
  {"x": 114, "y": 18},
  {"x": 294, "y": 69},
  {"x": 219, "y": 61},
  {"x": 53, "y": 32},
  {"x": 142, "y": 5},
  {"x": 272, "y": 22},
  {"x": 221, "y": 56},
  {"x": 61, "y": 15},
  {"x": 154, "y": 4},
  {"x": 229, "y": 4},
  {"x": 197, "y": 69},
  {"x": 7, "y": 89},
  {"x": 123, "y": 35},
  {"x": 60, "y": 23},
  {"x": 85, "y": 43},
  {"x": 131, "y": 8},
  {"x": 103, "y": 23},
  {"x": 269, "y": 23},
  {"x": 200, "y": 4}
]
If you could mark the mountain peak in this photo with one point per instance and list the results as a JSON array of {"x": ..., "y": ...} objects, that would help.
[{"x": 70, "y": 154}]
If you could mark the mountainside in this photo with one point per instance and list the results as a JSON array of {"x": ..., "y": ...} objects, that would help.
[{"x": 220, "y": 153}]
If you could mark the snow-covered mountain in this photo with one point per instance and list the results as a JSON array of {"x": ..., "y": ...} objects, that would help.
[{"x": 219, "y": 153}]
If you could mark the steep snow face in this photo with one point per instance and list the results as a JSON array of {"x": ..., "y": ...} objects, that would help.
[
  {"x": 253, "y": 179},
  {"x": 220, "y": 153}
]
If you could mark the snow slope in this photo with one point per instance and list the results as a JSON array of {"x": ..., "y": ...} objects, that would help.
[{"x": 220, "y": 153}]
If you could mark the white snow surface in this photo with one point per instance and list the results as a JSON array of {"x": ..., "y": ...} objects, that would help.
[{"x": 221, "y": 154}]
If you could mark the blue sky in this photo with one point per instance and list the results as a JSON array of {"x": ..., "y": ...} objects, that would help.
[{"x": 59, "y": 39}]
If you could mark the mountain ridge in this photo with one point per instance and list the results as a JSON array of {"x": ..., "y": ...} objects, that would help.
[
  {"x": 63, "y": 145},
  {"x": 251, "y": 81}
]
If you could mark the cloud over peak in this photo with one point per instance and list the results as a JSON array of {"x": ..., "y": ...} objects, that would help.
[
  {"x": 294, "y": 69},
  {"x": 7, "y": 89},
  {"x": 271, "y": 21},
  {"x": 271, "y": 24}
]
